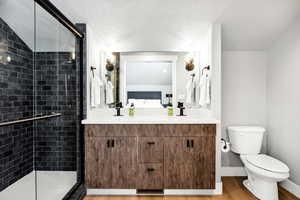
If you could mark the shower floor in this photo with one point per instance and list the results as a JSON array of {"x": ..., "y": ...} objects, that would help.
[{"x": 51, "y": 185}]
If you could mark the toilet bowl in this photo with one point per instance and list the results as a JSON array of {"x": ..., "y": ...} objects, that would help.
[{"x": 263, "y": 171}]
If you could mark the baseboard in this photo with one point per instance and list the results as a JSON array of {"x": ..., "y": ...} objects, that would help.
[
  {"x": 291, "y": 187},
  {"x": 110, "y": 192},
  {"x": 233, "y": 171},
  {"x": 130, "y": 192},
  {"x": 217, "y": 191}
]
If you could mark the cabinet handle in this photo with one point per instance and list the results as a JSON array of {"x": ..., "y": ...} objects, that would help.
[
  {"x": 192, "y": 143},
  {"x": 107, "y": 143},
  {"x": 113, "y": 143},
  {"x": 188, "y": 143},
  {"x": 151, "y": 143},
  {"x": 150, "y": 169}
]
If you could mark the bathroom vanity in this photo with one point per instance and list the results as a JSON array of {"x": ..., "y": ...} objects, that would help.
[
  {"x": 146, "y": 148},
  {"x": 150, "y": 156}
]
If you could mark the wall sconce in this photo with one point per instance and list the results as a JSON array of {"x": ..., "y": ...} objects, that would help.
[
  {"x": 109, "y": 65},
  {"x": 189, "y": 66},
  {"x": 189, "y": 62},
  {"x": 110, "y": 62}
]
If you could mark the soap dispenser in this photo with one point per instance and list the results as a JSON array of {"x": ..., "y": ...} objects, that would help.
[
  {"x": 170, "y": 111},
  {"x": 131, "y": 110}
]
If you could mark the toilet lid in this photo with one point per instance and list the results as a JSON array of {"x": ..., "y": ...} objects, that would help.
[{"x": 267, "y": 163}]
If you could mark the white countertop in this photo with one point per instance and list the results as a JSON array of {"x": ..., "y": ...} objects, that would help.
[
  {"x": 150, "y": 120},
  {"x": 150, "y": 116}
]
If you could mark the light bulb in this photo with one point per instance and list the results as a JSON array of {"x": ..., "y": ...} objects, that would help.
[
  {"x": 73, "y": 55},
  {"x": 8, "y": 59},
  {"x": 189, "y": 57},
  {"x": 110, "y": 57}
]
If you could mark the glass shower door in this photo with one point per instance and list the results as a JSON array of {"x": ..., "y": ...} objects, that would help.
[
  {"x": 39, "y": 103},
  {"x": 17, "y": 179},
  {"x": 57, "y": 93}
]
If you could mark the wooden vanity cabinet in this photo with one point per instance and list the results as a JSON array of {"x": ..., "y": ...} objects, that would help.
[
  {"x": 111, "y": 162},
  {"x": 180, "y": 163},
  {"x": 98, "y": 162},
  {"x": 151, "y": 149},
  {"x": 150, "y": 176},
  {"x": 150, "y": 157},
  {"x": 188, "y": 163},
  {"x": 124, "y": 163}
]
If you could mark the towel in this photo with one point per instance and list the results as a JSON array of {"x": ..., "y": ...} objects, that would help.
[
  {"x": 204, "y": 85},
  {"x": 96, "y": 84},
  {"x": 109, "y": 98},
  {"x": 190, "y": 91}
]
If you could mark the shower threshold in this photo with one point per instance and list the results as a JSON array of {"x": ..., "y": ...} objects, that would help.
[{"x": 51, "y": 185}]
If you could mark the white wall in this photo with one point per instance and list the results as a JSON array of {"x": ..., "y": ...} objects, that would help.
[
  {"x": 243, "y": 93},
  {"x": 183, "y": 76},
  {"x": 93, "y": 59},
  {"x": 283, "y": 100},
  {"x": 214, "y": 47}
]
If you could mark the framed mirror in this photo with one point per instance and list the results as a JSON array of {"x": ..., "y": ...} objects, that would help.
[{"x": 148, "y": 80}]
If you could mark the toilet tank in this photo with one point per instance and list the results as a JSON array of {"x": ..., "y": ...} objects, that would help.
[{"x": 246, "y": 139}]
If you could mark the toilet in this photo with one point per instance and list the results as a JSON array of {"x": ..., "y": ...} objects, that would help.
[{"x": 263, "y": 171}]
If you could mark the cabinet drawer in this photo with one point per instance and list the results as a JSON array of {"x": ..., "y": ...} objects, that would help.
[
  {"x": 151, "y": 149},
  {"x": 150, "y": 177}
]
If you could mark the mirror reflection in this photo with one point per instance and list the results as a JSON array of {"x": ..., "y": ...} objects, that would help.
[{"x": 148, "y": 84}]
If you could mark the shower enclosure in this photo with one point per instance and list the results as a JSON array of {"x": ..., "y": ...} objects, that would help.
[{"x": 40, "y": 102}]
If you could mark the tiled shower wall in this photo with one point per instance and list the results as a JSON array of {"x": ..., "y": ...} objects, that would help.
[
  {"x": 16, "y": 102},
  {"x": 56, "y": 92}
]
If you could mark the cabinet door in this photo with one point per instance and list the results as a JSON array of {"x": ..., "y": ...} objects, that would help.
[
  {"x": 124, "y": 163},
  {"x": 205, "y": 162},
  {"x": 179, "y": 163},
  {"x": 98, "y": 162},
  {"x": 190, "y": 162}
]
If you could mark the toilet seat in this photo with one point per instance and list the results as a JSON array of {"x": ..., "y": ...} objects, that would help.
[{"x": 267, "y": 163}]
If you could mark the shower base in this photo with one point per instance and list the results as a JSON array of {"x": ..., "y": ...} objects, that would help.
[{"x": 51, "y": 185}]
